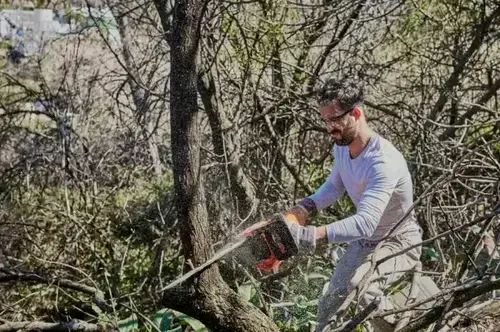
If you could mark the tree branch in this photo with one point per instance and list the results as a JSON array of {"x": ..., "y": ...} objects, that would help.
[
  {"x": 360, "y": 317},
  {"x": 285, "y": 160},
  {"x": 382, "y": 109},
  {"x": 10, "y": 275},
  {"x": 226, "y": 146},
  {"x": 482, "y": 29},
  {"x": 333, "y": 43},
  {"x": 74, "y": 326},
  {"x": 461, "y": 298},
  {"x": 478, "y": 106}
]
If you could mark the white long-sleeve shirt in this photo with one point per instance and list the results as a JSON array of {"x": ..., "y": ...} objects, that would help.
[{"x": 379, "y": 184}]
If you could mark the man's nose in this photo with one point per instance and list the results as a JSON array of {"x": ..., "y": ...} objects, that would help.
[{"x": 330, "y": 126}]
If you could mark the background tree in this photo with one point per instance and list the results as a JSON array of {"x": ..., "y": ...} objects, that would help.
[{"x": 207, "y": 297}]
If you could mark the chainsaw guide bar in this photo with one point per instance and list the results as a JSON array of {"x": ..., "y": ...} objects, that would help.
[
  {"x": 220, "y": 254},
  {"x": 268, "y": 242}
]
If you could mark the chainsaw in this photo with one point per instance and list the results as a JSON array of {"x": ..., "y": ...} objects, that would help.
[{"x": 265, "y": 244}]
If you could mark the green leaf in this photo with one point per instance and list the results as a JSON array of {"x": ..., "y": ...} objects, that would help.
[
  {"x": 195, "y": 324},
  {"x": 129, "y": 324},
  {"x": 430, "y": 253},
  {"x": 166, "y": 321},
  {"x": 163, "y": 319},
  {"x": 96, "y": 308},
  {"x": 177, "y": 329},
  {"x": 246, "y": 291}
]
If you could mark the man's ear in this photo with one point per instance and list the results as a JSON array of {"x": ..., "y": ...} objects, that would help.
[{"x": 356, "y": 112}]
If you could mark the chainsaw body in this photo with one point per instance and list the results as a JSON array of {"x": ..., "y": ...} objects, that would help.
[
  {"x": 270, "y": 243},
  {"x": 265, "y": 245}
]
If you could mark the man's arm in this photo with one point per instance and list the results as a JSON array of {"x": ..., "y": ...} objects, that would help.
[
  {"x": 330, "y": 190},
  {"x": 326, "y": 195},
  {"x": 378, "y": 191}
]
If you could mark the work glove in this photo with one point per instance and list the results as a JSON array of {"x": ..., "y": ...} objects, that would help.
[
  {"x": 304, "y": 236},
  {"x": 301, "y": 211}
]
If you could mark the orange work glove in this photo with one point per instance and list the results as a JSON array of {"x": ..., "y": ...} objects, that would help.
[
  {"x": 301, "y": 211},
  {"x": 297, "y": 214}
]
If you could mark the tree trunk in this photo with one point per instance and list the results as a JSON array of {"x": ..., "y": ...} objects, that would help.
[
  {"x": 205, "y": 297},
  {"x": 140, "y": 94}
]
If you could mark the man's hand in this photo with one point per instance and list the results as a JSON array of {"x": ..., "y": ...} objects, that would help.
[
  {"x": 307, "y": 237},
  {"x": 304, "y": 236},
  {"x": 297, "y": 214},
  {"x": 301, "y": 211}
]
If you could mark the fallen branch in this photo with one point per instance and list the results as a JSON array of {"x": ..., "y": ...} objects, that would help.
[
  {"x": 463, "y": 270},
  {"x": 461, "y": 298},
  {"x": 496, "y": 211},
  {"x": 73, "y": 326},
  {"x": 452, "y": 320},
  {"x": 435, "y": 297},
  {"x": 13, "y": 275}
]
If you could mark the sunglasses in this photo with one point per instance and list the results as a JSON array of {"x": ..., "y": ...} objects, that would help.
[{"x": 338, "y": 117}]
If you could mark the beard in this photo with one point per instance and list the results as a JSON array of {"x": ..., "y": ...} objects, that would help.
[{"x": 346, "y": 138}]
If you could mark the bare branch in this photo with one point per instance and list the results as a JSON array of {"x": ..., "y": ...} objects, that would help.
[
  {"x": 11, "y": 275},
  {"x": 285, "y": 160},
  {"x": 478, "y": 106},
  {"x": 335, "y": 40},
  {"x": 481, "y": 31},
  {"x": 73, "y": 326},
  {"x": 461, "y": 298}
]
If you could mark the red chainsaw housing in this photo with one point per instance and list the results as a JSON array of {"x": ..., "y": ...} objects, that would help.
[
  {"x": 271, "y": 243},
  {"x": 271, "y": 263}
]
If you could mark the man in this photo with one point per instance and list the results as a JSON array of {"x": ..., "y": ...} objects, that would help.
[{"x": 375, "y": 176}]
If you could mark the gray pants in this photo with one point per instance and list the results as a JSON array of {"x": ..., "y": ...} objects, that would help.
[{"x": 353, "y": 266}]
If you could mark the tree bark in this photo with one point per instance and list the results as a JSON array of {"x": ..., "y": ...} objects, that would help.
[{"x": 206, "y": 296}]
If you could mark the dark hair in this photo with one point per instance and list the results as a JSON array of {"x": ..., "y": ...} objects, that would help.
[{"x": 349, "y": 93}]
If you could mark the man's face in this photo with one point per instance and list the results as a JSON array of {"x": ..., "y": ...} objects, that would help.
[{"x": 341, "y": 125}]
